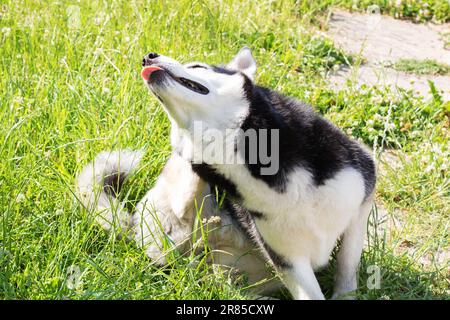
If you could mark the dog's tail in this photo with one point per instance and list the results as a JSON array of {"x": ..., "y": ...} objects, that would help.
[{"x": 99, "y": 183}]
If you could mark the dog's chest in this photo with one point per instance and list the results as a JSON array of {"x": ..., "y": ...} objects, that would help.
[
  {"x": 257, "y": 195},
  {"x": 304, "y": 219}
]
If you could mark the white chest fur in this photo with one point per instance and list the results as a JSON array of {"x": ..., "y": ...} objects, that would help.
[{"x": 305, "y": 220}]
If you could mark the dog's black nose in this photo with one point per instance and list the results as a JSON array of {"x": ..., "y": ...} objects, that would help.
[
  {"x": 153, "y": 55},
  {"x": 148, "y": 58}
]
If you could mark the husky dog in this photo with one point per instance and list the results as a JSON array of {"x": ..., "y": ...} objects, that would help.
[
  {"x": 167, "y": 214},
  {"x": 323, "y": 185}
]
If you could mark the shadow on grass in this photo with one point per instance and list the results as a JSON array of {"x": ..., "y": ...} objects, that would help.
[{"x": 383, "y": 275}]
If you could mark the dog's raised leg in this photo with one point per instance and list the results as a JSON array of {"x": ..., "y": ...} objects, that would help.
[
  {"x": 168, "y": 209},
  {"x": 302, "y": 282},
  {"x": 349, "y": 254}
]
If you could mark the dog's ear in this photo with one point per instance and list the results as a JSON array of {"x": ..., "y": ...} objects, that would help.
[{"x": 244, "y": 62}]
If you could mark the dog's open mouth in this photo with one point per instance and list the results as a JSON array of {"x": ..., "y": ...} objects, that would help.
[{"x": 187, "y": 83}]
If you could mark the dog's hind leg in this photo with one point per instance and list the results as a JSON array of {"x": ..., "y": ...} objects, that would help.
[
  {"x": 302, "y": 282},
  {"x": 349, "y": 254},
  {"x": 167, "y": 212}
]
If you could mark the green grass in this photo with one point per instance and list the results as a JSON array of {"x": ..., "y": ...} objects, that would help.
[
  {"x": 418, "y": 11},
  {"x": 422, "y": 67},
  {"x": 70, "y": 90}
]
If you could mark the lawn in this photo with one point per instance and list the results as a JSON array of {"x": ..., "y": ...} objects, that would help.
[
  {"x": 70, "y": 88},
  {"x": 422, "y": 67}
]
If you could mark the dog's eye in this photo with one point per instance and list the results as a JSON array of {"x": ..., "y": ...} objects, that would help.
[{"x": 197, "y": 66}]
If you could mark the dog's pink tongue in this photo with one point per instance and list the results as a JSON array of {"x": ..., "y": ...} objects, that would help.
[{"x": 147, "y": 71}]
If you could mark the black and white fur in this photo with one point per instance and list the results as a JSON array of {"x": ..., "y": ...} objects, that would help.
[
  {"x": 322, "y": 191},
  {"x": 168, "y": 211},
  {"x": 325, "y": 184}
]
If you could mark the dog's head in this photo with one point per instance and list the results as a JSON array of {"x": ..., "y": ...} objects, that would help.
[{"x": 197, "y": 91}]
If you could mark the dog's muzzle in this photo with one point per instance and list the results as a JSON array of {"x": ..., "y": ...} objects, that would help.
[
  {"x": 149, "y": 59},
  {"x": 149, "y": 67},
  {"x": 153, "y": 73}
]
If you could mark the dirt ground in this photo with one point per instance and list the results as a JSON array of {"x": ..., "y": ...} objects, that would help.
[{"x": 382, "y": 40}]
